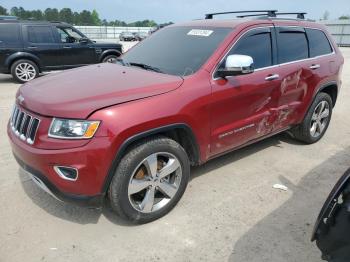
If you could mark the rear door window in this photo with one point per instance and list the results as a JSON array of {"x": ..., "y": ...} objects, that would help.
[
  {"x": 318, "y": 42},
  {"x": 292, "y": 44},
  {"x": 9, "y": 35},
  {"x": 40, "y": 34}
]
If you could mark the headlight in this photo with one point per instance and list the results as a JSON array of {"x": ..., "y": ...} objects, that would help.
[{"x": 73, "y": 129}]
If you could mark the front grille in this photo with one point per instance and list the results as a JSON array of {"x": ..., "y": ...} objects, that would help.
[{"x": 24, "y": 125}]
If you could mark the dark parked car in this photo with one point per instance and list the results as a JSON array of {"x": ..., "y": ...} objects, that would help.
[
  {"x": 129, "y": 132},
  {"x": 141, "y": 35},
  {"x": 28, "y": 48},
  {"x": 332, "y": 228},
  {"x": 127, "y": 36}
]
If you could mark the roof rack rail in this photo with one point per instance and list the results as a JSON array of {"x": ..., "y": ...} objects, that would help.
[
  {"x": 300, "y": 15},
  {"x": 270, "y": 13}
]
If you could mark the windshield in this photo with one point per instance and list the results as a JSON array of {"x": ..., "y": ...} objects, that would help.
[{"x": 177, "y": 50}]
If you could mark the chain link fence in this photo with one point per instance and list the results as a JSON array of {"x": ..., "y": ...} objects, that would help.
[
  {"x": 101, "y": 33},
  {"x": 340, "y": 29}
]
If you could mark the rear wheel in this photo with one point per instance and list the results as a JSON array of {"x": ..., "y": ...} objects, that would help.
[
  {"x": 24, "y": 70},
  {"x": 150, "y": 180},
  {"x": 316, "y": 120}
]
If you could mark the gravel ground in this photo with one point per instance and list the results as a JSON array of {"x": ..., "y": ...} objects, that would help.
[{"x": 230, "y": 212}]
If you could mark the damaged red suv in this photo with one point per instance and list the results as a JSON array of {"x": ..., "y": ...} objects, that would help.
[{"x": 128, "y": 132}]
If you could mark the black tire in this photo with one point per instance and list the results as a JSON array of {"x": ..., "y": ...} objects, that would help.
[
  {"x": 110, "y": 59},
  {"x": 16, "y": 69},
  {"x": 303, "y": 132},
  {"x": 118, "y": 190}
]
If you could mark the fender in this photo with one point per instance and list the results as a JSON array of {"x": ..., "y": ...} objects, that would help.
[
  {"x": 145, "y": 134},
  {"x": 109, "y": 51},
  {"x": 316, "y": 91},
  {"x": 22, "y": 55},
  {"x": 328, "y": 84}
]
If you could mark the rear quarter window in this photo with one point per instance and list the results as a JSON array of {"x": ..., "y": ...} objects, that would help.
[
  {"x": 318, "y": 42},
  {"x": 292, "y": 46},
  {"x": 9, "y": 35}
]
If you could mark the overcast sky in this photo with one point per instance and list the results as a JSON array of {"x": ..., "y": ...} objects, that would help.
[{"x": 182, "y": 10}]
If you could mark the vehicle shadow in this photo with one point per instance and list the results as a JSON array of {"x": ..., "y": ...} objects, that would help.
[
  {"x": 242, "y": 153},
  {"x": 7, "y": 79},
  {"x": 284, "y": 235},
  {"x": 66, "y": 211}
]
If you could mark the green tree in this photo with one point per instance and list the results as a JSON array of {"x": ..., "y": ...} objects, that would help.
[
  {"x": 85, "y": 18},
  {"x": 36, "y": 15},
  {"x": 66, "y": 15},
  {"x": 51, "y": 14},
  {"x": 76, "y": 18},
  {"x": 14, "y": 11},
  {"x": 104, "y": 22},
  {"x": 344, "y": 17},
  {"x": 3, "y": 11},
  {"x": 95, "y": 18}
]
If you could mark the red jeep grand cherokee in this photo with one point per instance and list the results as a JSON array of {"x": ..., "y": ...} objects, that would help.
[{"x": 130, "y": 131}]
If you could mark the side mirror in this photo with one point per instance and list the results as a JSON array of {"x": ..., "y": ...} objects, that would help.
[
  {"x": 84, "y": 40},
  {"x": 237, "y": 65}
]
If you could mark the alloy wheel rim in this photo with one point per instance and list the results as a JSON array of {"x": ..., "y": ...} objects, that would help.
[
  {"x": 25, "y": 72},
  {"x": 319, "y": 119},
  {"x": 154, "y": 182},
  {"x": 111, "y": 60}
]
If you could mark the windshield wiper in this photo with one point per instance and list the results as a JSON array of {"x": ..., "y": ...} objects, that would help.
[
  {"x": 147, "y": 67},
  {"x": 144, "y": 66}
]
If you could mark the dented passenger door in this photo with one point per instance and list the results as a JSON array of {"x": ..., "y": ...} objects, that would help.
[{"x": 293, "y": 54}]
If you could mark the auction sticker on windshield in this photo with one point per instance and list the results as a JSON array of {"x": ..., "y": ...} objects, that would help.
[{"x": 200, "y": 32}]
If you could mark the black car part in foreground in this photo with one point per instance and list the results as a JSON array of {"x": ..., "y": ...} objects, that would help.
[{"x": 332, "y": 228}]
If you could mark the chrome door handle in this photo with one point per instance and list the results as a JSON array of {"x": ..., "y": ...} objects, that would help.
[
  {"x": 272, "y": 77},
  {"x": 67, "y": 47},
  {"x": 313, "y": 67},
  {"x": 32, "y": 47}
]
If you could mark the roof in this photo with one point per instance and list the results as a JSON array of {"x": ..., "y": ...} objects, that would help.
[{"x": 232, "y": 23}]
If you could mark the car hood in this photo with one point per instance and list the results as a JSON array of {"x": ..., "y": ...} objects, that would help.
[{"x": 78, "y": 92}]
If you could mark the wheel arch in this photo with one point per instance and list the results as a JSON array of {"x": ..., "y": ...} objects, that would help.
[
  {"x": 331, "y": 89},
  {"x": 22, "y": 55},
  {"x": 180, "y": 132},
  {"x": 109, "y": 52}
]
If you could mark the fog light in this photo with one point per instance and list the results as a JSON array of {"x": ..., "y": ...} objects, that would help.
[{"x": 67, "y": 173}]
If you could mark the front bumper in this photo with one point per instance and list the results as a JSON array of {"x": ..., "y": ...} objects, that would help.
[
  {"x": 41, "y": 181},
  {"x": 92, "y": 160}
]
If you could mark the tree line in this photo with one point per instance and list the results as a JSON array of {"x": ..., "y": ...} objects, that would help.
[{"x": 84, "y": 17}]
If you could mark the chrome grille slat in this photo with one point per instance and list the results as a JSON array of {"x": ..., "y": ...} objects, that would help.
[{"x": 24, "y": 125}]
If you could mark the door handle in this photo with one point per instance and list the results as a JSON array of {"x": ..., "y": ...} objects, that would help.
[
  {"x": 32, "y": 47},
  {"x": 272, "y": 77},
  {"x": 67, "y": 47},
  {"x": 315, "y": 66}
]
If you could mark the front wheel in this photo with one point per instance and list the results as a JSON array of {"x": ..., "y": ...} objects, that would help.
[
  {"x": 316, "y": 120},
  {"x": 150, "y": 180},
  {"x": 110, "y": 59}
]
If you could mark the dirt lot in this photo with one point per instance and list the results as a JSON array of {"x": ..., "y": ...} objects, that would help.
[{"x": 230, "y": 212}]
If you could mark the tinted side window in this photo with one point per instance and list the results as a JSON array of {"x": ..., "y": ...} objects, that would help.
[
  {"x": 9, "y": 34},
  {"x": 258, "y": 46},
  {"x": 292, "y": 46},
  {"x": 40, "y": 34},
  {"x": 319, "y": 44}
]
